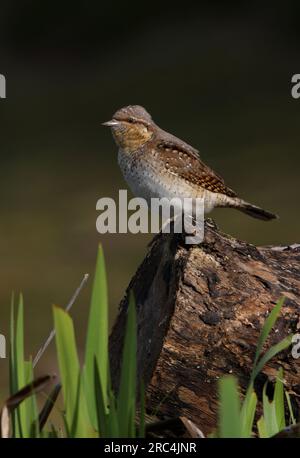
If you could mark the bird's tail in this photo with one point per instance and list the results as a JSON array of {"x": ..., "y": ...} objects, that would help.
[{"x": 254, "y": 211}]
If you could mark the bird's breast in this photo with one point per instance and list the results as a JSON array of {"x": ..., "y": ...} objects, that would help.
[
  {"x": 149, "y": 179},
  {"x": 141, "y": 176}
]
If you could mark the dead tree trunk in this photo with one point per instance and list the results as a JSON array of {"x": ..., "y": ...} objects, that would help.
[{"x": 200, "y": 310}]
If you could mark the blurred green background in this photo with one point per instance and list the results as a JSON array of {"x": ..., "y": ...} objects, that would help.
[{"x": 215, "y": 75}]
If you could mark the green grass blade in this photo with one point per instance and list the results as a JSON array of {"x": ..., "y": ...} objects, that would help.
[
  {"x": 261, "y": 427},
  {"x": 24, "y": 428},
  {"x": 292, "y": 417},
  {"x": 76, "y": 413},
  {"x": 280, "y": 346},
  {"x": 248, "y": 412},
  {"x": 101, "y": 409},
  {"x": 77, "y": 428},
  {"x": 89, "y": 393},
  {"x": 127, "y": 390},
  {"x": 270, "y": 418},
  {"x": 13, "y": 376},
  {"x": 31, "y": 403},
  {"x": 97, "y": 336},
  {"x": 269, "y": 323},
  {"x": 67, "y": 359},
  {"x": 13, "y": 381},
  {"x": 24, "y": 417},
  {"x": 279, "y": 400},
  {"x": 229, "y": 410},
  {"x": 19, "y": 347},
  {"x": 114, "y": 430}
]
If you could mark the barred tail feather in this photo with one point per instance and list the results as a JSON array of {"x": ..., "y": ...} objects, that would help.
[{"x": 256, "y": 212}]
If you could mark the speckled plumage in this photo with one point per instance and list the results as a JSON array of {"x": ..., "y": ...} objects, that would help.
[{"x": 157, "y": 164}]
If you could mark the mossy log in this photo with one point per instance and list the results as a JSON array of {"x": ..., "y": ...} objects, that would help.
[{"x": 200, "y": 310}]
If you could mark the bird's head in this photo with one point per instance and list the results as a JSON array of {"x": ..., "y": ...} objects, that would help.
[{"x": 132, "y": 127}]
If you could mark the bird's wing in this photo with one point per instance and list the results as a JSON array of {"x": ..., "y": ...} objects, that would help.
[{"x": 183, "y": 160}]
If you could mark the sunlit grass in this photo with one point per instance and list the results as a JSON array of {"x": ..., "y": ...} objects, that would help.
[
  {"x": 90, "y": 406},
  {"x": 236, "y": 418}
]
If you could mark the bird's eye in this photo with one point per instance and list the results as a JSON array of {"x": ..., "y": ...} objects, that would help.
[{"x": 130, "y": 120}]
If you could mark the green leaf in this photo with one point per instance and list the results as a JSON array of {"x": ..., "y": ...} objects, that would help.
[
  {"x": 127, "y": 390},
  {"x": 24, "y": 418},
  {"x": 114, "y": 431},
  {"x": 292, "y": 417},
  {"x": 248, "y": 412},
  {"x": 13, "y": 381},
  {"x": 13, "y": 376},
  {"x": 30, "y": 404},
  {"x": 279, "y": 400},
  {"x": 67, "y": 359},
  {"x": 101, "y": 408},
  {"x": 75, "y": 405},
  {"x": 261, "y": 427},
  {"x": 268, "y": 325},
  {"x": 270, "y": 419},
  {"x": 97, "y": 337},
  {"x": 280, "y": 346},
  {"x": 229, "y": 411},
  {"x": 24, "y": 428},
  {"x": 19, "y": 346}
]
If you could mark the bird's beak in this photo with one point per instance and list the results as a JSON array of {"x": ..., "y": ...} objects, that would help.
[{"x": 111, "y": 123}]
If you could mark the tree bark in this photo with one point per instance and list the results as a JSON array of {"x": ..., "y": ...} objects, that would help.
[{"x": 200, "y": 310}]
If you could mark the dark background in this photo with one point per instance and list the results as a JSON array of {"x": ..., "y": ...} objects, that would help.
[{"x": 216, "y": 75}]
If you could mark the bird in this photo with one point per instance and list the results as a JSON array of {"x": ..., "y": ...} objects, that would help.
[{"x": 156, "y": 164}]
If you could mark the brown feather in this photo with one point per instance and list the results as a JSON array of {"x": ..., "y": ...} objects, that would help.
[{"x": 183, "y": 160}]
